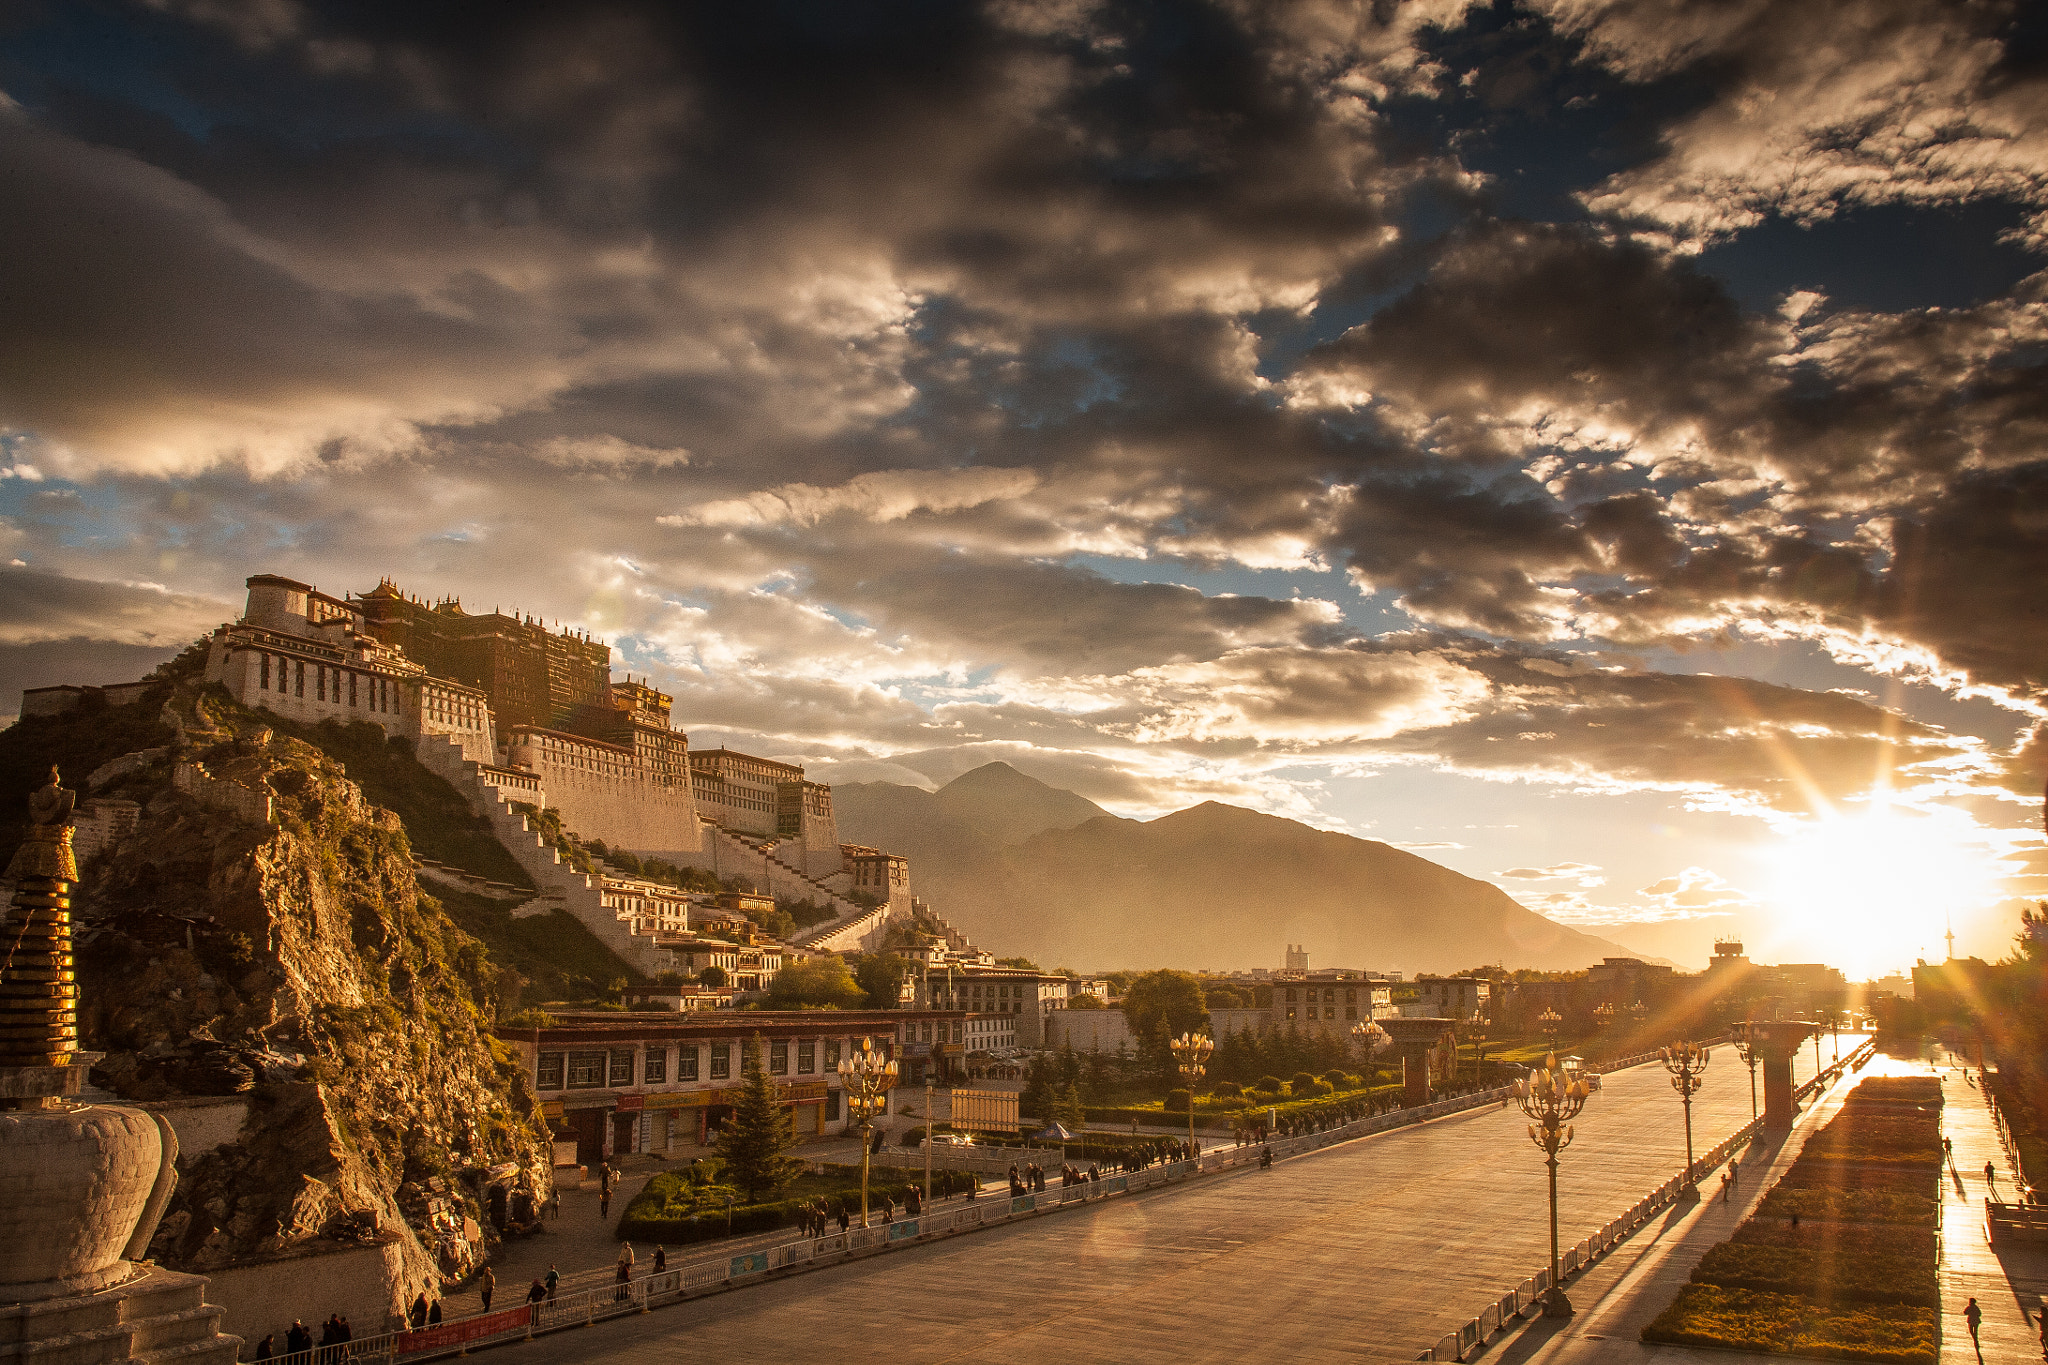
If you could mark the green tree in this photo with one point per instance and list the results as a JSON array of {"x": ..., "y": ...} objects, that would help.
[
  {"x": 1037, "y": 1099},
  {"x": 713, "y": 977},
  {"x": 755, "y": 1141},
  {"x": 1023, "y": 963},
  {"x": 1096, "y": 1078},
  {"x": 881, "y": 976},
  {"x": 1164, "y": 1004},
  {"x": 1069, "y": 1110},
  {"x": 1084, "y": 1002},
  {"x": 821, "y": 982}
]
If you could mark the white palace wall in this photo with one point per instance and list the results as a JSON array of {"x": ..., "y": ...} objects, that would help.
[{"x": 607, "y": 792}]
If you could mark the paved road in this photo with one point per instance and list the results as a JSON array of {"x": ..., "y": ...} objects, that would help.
[{"x": 1374, "y": 1248}]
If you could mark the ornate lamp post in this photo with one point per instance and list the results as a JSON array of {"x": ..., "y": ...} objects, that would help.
[
  {"x": 1745, "y": 1048},
  {"x": 1685, "y": 1062},
  {"x": 1190, "y": 1051},
  {"x": 1373, "y": 1039},
  {"x": 1603, "y": 1017},
  {"x": 1637, "y": 1013},
  {"x": 1549, "y": 1021},
  {"x": 1552, "y": 1097},
  {"x": 868, "y": 1076}
]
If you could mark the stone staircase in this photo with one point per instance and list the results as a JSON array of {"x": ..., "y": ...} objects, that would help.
[
  {"x": 754, "y": 857},
  {"x": 158, "y": 1318},
  {"x": 558, "y": 886}
]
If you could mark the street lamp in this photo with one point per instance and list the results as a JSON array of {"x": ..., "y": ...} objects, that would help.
[
  {"x": 1190, "y": 1050},
  {"x": 1374, "y": 1040},
  {"x": 1549, "y": 1021},
  {"x": 1685, "y": 1062},
  {"x": 1745, "y": 1048},
  {"x": 1637, "y": 1013},
  {"x": 868, "y": 1076},
  {"x": 1476, "y": 1030},
  {"x": 1552, "y": 1097},
  {"x": 1603, "y": 1017}
]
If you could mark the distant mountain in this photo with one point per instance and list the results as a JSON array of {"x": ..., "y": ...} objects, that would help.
[{"x": 1213, "y": 886}]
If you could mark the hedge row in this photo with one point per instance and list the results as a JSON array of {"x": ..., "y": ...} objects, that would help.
[
  {"x": 645, "y": 1221},
  {"x": 1821, "y": 1273},
  {"x": 1896, "y": 1090},
  {"x": 1801, "y": 1277},
  {"x": 1788, "y": 1324}
]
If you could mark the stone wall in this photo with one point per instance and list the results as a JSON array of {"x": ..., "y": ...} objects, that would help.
[
  {"x": 363, "y": 1284},
  {"x": 1083, "y": 1030},
  {"x": 607, "y": 792},
  {"x": 231, "y": 798}
]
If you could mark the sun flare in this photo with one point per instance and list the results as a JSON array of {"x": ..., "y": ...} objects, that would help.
[{"x": 1872, "y": 892}]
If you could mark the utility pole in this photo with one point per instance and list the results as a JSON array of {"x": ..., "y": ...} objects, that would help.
[{"x": 927, "y": 1137}]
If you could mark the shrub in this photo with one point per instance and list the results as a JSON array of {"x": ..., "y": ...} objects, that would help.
[
  {"x": 1336, "y": 1079},
  {"x": 1822, "y": 1273},
  {"x": 1228, "y": 1090},
  {"x": 1786, "y": 1324},
  {"x": 1846, "y": 1206},
  {"x": 1272, "y": 1085},
  {"x": 1178, "y": 1101},
  {"x": 1302, "y": 1083}
]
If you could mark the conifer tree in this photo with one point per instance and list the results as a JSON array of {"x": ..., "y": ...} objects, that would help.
[
  {"x": 755, "y": 1141},
  {"x": 1070, "y": 1111}
]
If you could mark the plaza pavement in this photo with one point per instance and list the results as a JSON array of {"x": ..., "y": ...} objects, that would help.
[{"x": 1368, "y": 1250}]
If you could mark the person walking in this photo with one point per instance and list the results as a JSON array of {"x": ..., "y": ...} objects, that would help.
[
  {"x": 418, "y": 1317},
  {"x": 552, "y": 1281},
  {"x": 298, "y": 1338},
  {"x": 487, "y": 1285},
  {"x": 604, "y": 1201},
  {"x": 845, "y": 1219},
  {"x": 263, "y": 1351},
  {"x": 1990, "y": 1174},
  {"x": 1734, "y": 1172},
  {"x": 1724, "y": 1187},
  {"x": 1974, "y": 1315},
  {"x": 660, "y": 1260},
  {"x": 434, "y": 1313}
]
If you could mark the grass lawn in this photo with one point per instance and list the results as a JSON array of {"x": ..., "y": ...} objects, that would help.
[{"x": 1789, "y": 1324}]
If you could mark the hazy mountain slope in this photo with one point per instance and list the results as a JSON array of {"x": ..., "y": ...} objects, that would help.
[
  {"x": 1213, "y": 886},
  {"x": 1006, "y": 807}
]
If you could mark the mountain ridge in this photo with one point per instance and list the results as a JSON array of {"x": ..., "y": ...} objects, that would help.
[{"x": 1108, "y": 892}]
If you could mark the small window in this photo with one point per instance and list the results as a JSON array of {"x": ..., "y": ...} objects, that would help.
[
  {"x": 264, "y": 680},
  {"x": 721, "y": 1061},
  {"x": 778, "y": 1057},
  {"x": 656, "y": 1071},
  {"x": 586, "y": 1070},
  {"x": 806, "y": 1058},
  {"x": 831, "y": 1054},
  {"x": 622, "y": 1066},
  {"x": 1290, "y": 1000},
  {"x": 548, "y": 1075},
  {"x": 686, "y": 1064}
]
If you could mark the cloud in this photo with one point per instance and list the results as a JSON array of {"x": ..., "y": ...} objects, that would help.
[
  {"x": 1693, "y": 893},
  {"x": 1819, "y": 108},
  {"x": 887, "y": 495},
  {"x": 1585, "y": 874},
  {"x": 42, "y": 608}
]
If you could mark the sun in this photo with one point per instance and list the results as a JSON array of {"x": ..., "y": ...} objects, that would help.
[{"x": 1871, "y": 892}]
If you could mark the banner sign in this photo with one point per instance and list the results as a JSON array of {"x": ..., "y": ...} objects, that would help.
[
  {"x": 1119, "y": 1185},
  {"x": 753, "y": 1264},
  {"x": 899, "y": 1232},
  {"x": 469, "y": 1329},
  {"x": 1023, "y": 1203},
  {"x": 632, "y": 1104}
]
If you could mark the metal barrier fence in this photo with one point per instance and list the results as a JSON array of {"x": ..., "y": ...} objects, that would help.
[{"x": 1528, "y": 1295}]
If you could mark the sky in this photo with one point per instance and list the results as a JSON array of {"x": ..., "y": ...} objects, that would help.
[{"x": 1600, "y": 445}]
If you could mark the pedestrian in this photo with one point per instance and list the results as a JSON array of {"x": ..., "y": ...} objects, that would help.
[
  {"x": 534, "y": 1295},
  {"x": 604, "y": 1202},
  {"x": 660, "y": 1260},
  {"x": 553, "y": 1280},
  {"x": 845, "y": 1219},
  {"x": 1734, "y": 1172},
  {"x": 625, "y": 1271},
  {"x": 489, "y": 1286},
  {"x": 419, "y": 1313},
  {"x": 263, "y": 1347},
  {"x": 1974, "y": 1315},
  {"x": 1724, "y": 1187},
  {"x": 342, "y": 1331},
  {"x": 297, "y": 1339},
  {"x": 434, "y": 1313},
  {"x": 1990, "y": 1174}
]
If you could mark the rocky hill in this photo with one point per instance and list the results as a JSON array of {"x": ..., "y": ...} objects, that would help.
[
  {"x": 1214, "y": 886},
  {"x": 261, "y": 932}
]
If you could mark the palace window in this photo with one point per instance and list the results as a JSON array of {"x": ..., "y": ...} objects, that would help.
[
  {"x": 806, "y": 1058},
  {"x": 686, "y": 1064},
  {"x": 831, "y": 1054},
  {"x": 586, "y": 1070},
  {"x": 656, "y": 1070},
  {"x": 721, "y": 1061},
  {"x": 622, "y": 1066},
  {"x": 299, "y": 686},
  {"x": 320, "y": 683},
  {"x": 548, "y": 1074},
  {"x": 351, "y": 689},
  {"x": 778, "y": 1057},
  {"x": 263, "y": 679}
]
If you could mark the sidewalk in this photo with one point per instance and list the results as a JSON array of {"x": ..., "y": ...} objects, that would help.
[{"x": 2008, "y": 1282}]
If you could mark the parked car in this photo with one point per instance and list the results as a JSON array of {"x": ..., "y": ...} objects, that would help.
[{"x": 950, "y": 1140}]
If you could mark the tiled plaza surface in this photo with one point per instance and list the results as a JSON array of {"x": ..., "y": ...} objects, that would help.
[{"x": 1372, "y": 1249}]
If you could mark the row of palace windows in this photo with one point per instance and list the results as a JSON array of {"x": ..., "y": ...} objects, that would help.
[
  {"x": 340, "y": 686},
  {"x": 1329, "y": 1011},
  {"x": 613, "y": 1068}
]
